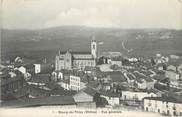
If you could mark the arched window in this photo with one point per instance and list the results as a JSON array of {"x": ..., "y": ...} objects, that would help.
[{"x": 93, "y": 46}]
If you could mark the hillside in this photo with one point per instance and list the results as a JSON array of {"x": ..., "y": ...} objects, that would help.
[{"x": 43, "y": 43}]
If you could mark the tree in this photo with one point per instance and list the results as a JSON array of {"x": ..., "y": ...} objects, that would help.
[{"x": 100, "y": 101}]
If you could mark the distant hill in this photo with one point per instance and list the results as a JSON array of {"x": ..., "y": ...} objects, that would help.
[{"x": 45, "y": 43}]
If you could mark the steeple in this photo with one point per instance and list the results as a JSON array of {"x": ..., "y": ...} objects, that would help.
[{"x": 94, "y": 47}]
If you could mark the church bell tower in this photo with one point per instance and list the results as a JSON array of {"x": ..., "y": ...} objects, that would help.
[{"x": 94, "y": 48}]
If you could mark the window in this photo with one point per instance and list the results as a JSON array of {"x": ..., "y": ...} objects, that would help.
[
  {"x": 158, "y": 110},
  {"x": 156, "y": 104},
  {"x": 146, "y": 109},
  {"x": 174, "y": 107},
  {"x": 174, "y": 113},
  {"x": 168, "y": 112},
  {"x": 125, "y": 97},
  {"x": 67, "y": 60},
  {"x": 93, "y": 46}
]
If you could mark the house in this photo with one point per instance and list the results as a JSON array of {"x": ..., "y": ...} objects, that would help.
[
  {"x": 106, "y": 86},
  {"x": 65, "y": 84},
  {"x": 95, "y": 85},
  {"x": 130, "y": 78},
  {"x": 110, "y": 54},
  {"x": 172, "y": 68},
  {"x": 171, "y": 74},
  {"x": 161, "y": 66},
  {"x": 56, "y": 90},
  {"x": 37, "y": 68},
  {"x": 30, "y": 68},
  {"x": 73, "y": 82},
  {"x": 22, "y": 69},
  {"x": 103, "y": 60},
  {"x": 145, "y": 84},
  {"x": 115, "y": 61},
  {"x": 111, "y": 97},
  {"x": 76, "y": 83},
  {"x": 135, "y": 97},
  {"x": 143, "y": 81},
  {"x": 85, "y": 98},
  {"x": 40, "y": 79},
  {"x": 164, "y": 105},
  {"x": 133, "y": 59},
  {"x": 36, "y": 92},
  {"x": 89, "y": 69},
  {"x": 138, "y": 95},
  {"x": 57, "y": 75}
]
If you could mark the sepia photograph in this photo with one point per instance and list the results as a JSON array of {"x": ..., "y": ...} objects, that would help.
[{"x": 91, "y": 58}]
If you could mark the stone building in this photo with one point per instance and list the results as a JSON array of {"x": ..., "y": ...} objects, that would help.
[{"x": 76, "y": 60}]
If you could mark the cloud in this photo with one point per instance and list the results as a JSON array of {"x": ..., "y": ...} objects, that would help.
[
  {"x": 94, "y": 13},
  {"x": 92, "y": 17}
]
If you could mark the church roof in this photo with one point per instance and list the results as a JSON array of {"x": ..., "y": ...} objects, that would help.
[{"x": 75, "y": 52}]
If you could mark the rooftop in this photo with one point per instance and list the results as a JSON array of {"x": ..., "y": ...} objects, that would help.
[
  {"x": 29, "y": 66},
  {"x": 41, "y": 78},
  {"x": 109, "y": 93},
  {"x": 165, "y": 99},
  {"x": 90, "y": 91},
  {"x": 53, "y": 100},
  {"x": 75, "y": 52},
  {"x": 117, "y": 77}
]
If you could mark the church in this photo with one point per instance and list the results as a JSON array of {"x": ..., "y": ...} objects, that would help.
[{"x": 76, "y": 60}]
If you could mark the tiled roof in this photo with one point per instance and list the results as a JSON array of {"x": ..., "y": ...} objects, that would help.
[
  {"x": 86, "y": 52},
  {"x": 109, "y": 93},
  {"x": 90, "y": 91},
  {"x": 75, "y": 52},
  {"x": 62, "y": 91},
  {"x": 34, "y": 90},
  {"x": 83, "y": 59},
  {"x": 165, "y": 99},
  {"x": 41, "y": 78},
  {"x": 117, "y": 77},
  {"x": 130, "y": 77},
  {"x": 116, "y": 59},
  {"x": 46, "y": 68},
  {"x": 93, "y": 84}
]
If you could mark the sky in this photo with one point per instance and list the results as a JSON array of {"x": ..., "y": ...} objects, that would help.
[{"x": 37, "y": 14}]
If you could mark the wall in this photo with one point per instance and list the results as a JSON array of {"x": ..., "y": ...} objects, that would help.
[
  {"x": 162, "y": 107},
  {"x": 74, "y": 83},
  {"x": 111, "y": 100},
  {"x": 128, "y": 95},
  {"x": 37, "y": 68}
]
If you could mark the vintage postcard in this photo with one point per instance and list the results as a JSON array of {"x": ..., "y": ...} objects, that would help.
[{"x": 91, "y": 58}]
